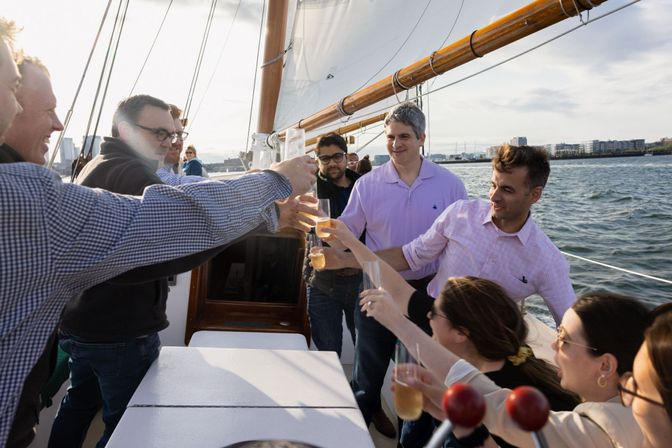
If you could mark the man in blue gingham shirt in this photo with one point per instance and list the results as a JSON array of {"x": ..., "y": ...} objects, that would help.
[{"x": 60, "y": 239}]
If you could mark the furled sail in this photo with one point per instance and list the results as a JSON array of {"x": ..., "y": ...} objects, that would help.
[{"x": 336, "y": 47}]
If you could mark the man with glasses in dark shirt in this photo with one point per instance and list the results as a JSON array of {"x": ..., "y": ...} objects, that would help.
[{"x": 111, "y": 330}]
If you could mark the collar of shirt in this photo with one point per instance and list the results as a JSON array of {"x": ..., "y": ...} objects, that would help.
[
  {"x": 523, "y": 234},
  {"x": 390, "y": 175}
]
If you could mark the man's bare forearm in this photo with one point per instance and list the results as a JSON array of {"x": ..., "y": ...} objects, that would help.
[{"x": 395, "y": 258}]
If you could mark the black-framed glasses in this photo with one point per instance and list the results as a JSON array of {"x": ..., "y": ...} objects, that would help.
[
  {"x": 160, "y": 133},
  {"x": 627, "y": 389},
  {"x": 433, "y": 312},
  {"x": 182, "y": 135},
  {"x": 561, "y": 338},
  {"x": 338, "y": 158}
]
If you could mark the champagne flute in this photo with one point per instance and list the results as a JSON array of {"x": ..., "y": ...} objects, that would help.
[
  {"x": 295, "y": 143},
  {"x": 323, "y": 220},
  {"x": 371, "y": 277},
  {"x": 407, "y": 400},
  {"x": 316, "y": 253}
]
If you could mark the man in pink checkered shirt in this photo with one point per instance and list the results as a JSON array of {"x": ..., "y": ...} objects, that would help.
[{"x": 497, "y": 239}]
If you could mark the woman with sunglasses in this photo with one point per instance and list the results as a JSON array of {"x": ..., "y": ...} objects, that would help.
[
  {"x": 648, "y": 390},
  {"x": 596, "y": 345},
  {"x": 473, "y": 318}
]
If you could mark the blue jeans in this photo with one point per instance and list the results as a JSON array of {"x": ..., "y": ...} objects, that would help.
[
  {"x": 101, "y": 374},
  {"x": 326, "y": 308}
]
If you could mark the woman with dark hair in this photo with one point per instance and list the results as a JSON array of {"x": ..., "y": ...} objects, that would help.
[
  {"x": 648, "y": 390},
  {"x": 364, "y": 165},
  {"x": 475, "y": 319},
  {"x": 595, "y": 347}
]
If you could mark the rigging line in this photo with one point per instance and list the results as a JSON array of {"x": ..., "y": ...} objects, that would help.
[
  {"x": 429, "y": 91},
  {"x": 459, "y": 11},
  {"x": 398, "y": 49},
  {"x": 219, "y": 59},
  {"x": 156, "y": 36},
  {"x": 199, "y": 59},
  {"x": 84, "y": 152},
  {"x": 370, "y": 141},
  {"x": 109, "y": 74},
  {"x": 254, "y": 82},
  {"x": 79, "y": 88},
  {"x": 628, "y": 271}
]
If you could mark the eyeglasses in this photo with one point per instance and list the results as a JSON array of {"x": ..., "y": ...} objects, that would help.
[
  {"x": 338, "y": 158},
  {"x": 182, "y": 135},
  {"x": 561, "y": 338},
  {"x": 433, "y": 312},
  {"x": 627, "y": 388},
  {"x": 160, "y": 133}
]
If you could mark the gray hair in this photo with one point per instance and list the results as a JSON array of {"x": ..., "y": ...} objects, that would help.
[{"x": 409, "y": 114}]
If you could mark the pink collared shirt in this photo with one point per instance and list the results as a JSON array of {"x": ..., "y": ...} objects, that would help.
[
  {"x": 467, "y": 242},
  {"x": 392, "y": 213}
]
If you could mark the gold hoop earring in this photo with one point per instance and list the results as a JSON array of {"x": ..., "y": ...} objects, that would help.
[{"x": 602, "y": 381}]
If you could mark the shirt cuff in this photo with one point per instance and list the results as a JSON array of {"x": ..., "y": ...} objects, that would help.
[
  {"x": 280, "y": 184},
  {"x": 460, "y": 370},
  {"x": 408, "y": 255}
]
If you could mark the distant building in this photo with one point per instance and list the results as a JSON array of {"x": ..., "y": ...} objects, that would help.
[
  {"x": 612, "y": 146},
  {"x": 519, "y": 141},
  {"x": 438, "y": 157},
  {"x": 491, "y": 152},
  {"x": 380, "y": 159},
  {"x": 68, "y": 151},
  {"x": 86, "y": 141}
]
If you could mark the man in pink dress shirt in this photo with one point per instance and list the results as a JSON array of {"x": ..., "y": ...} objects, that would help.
[{"x": 391, "y": 206}]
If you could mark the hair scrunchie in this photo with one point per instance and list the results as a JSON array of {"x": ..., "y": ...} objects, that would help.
[{"x": 524, "y": 352}]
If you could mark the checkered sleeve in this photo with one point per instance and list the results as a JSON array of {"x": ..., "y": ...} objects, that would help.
[{"x": 107, "y": 234}]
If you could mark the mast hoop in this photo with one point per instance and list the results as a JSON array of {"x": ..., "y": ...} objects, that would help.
[
  {"x": 471, "y": 43},
  {"x": 340, "y": 107},
  {"x": 397, "y": 81},
  {"x": 431, "y": 64}
]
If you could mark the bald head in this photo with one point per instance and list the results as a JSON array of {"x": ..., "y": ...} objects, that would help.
[{"x": 30, "y": 132}]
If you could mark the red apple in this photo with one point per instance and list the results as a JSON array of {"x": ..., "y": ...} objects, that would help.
[
  {"x": 464, "y": 405},
  {"x": 528, "y": 408}
]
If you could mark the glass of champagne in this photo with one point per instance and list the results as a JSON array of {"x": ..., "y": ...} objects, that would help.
[
  {"x": 407, "y": 401},
  {"x": 295, "y": 143},
  {"x": 316, "y": 253},
  {"x": 323, "y": 219},
  {"x": 312, "y": 192}
]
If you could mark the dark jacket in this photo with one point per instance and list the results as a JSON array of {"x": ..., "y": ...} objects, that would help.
[
  {"x": 133, "y": 304},
  {"x": 338, "y": 197}
]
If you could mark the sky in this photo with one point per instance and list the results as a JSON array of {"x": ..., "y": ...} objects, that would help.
[{"x": 609, "y": 80}]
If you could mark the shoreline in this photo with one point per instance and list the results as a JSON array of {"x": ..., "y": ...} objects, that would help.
[{"x": 589, "y": 156}]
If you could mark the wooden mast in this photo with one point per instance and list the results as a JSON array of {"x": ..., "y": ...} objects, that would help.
[
  {"x": 527, "y": 20},
  {"x": 271, "y": 69}
]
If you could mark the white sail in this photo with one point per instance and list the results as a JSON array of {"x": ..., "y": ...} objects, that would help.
[{"x": 337, "y": 46}]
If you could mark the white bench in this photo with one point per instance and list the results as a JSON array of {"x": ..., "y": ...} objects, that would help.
[{"x": 246, "y": 339}]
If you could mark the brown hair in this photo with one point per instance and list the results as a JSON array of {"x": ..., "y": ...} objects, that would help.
[
  {"x": 364, "y": 165},
  {"x": 613, "y": 324},
  {"x": 495, "y": 326},
  {"x": 192, "y": 148},
  {"x": 534, "y": 159},
  {"x": 130, "y": 108},
  {"x": 658, "y": 340},
  {"x": 331, "y": 139}
]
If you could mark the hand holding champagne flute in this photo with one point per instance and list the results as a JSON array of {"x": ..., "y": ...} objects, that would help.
[
  {"x": 316, "y": 253},
  {"x": 408, "y": 401}
]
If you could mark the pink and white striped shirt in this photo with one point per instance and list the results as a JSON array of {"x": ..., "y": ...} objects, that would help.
[{"x": 467, "y": 242}]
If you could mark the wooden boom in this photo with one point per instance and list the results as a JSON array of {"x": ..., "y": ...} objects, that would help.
[{"x": 527, "y": 20}]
